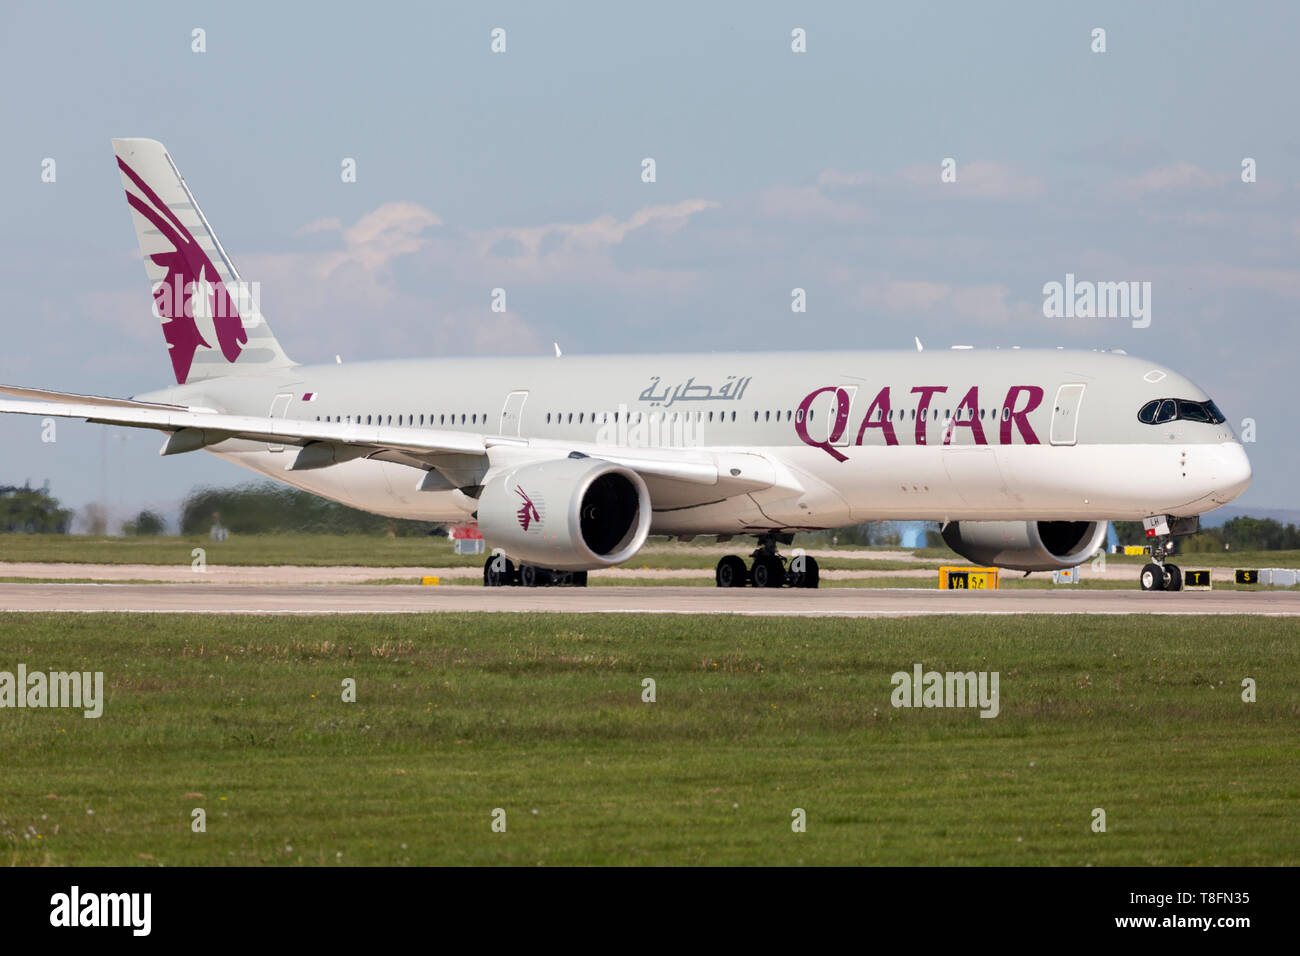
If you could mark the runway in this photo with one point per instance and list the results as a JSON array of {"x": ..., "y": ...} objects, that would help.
[{"x": 824, "y": 602}]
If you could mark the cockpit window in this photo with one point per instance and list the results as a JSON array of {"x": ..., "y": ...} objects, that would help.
[
  {"x": 1158, "y": 411},
  {"x": 1193, "y": 412}
]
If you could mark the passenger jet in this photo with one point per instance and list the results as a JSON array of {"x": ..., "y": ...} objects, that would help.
[{"x": 567, "y": 464}]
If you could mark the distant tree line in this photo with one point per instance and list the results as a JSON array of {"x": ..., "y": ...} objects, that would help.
[
  {"x": 29, "y": 510},
  {"x": 879, "y": 534},
  {"x": 267, "y": 508},
  {"x": 1237, "y": 534}
]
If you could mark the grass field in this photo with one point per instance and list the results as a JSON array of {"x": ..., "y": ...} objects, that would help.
[{"x": 542, "y": 716}]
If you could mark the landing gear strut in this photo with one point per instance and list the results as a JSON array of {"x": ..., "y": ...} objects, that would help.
[
  {"x": 1158, "y": 575},
  {"x": 768, "y": 569}
]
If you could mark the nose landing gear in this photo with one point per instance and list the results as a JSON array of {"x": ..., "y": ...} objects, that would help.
[{"x": 1158, "y": 575}]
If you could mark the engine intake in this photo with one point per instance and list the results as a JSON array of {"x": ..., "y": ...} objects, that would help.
[
  {"x": 571, "y": 514},
  {"x": 1026, "y": 545}
]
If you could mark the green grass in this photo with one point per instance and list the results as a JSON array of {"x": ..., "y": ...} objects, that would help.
[{"x": 542, "y": 715}]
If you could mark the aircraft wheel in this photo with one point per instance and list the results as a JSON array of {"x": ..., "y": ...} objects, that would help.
[
  {"x": 1152, "y": 578},
  {"x": 767, "y": 572},
  {"x": 731, "y": 573},
  {"x": 530, "y": 576},
  {"x": 811, "y": 573},
  {"x": 496, "y": 578},
  {"x": 1173, "y": 577},
  {"x": 579, "y": 579}
]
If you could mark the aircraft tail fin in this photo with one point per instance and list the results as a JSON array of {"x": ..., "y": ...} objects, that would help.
[{"x": 211, "y": 319}]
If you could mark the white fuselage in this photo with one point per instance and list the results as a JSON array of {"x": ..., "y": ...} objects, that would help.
[{"x": 837, "y": 437}]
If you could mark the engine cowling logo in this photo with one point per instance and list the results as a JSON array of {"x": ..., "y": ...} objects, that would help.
[{"x": 528, "y": 512}]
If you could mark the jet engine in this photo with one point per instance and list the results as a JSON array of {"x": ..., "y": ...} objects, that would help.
[
  {"x": 571, "y": 514},
  {"x": 1026, "y": 545}
]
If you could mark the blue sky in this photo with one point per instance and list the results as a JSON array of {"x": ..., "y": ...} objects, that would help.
[{"x": 774, "y": 170}]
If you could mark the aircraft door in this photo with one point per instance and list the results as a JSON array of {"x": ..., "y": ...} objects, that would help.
[
  {"x": 1065, "y": 414},
  {"x": 279, "y": 408},
  {"x": 829, "y": 417},
  {"x": 512, "y": 412}
]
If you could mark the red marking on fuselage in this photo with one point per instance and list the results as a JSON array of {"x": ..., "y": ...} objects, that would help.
[
  {"x": 966, "y": 415},
  {"x": 528, "y": 513}
]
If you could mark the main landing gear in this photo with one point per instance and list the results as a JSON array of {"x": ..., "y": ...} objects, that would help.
[
  {"x": 769, "y": 569},
  {"x": 500, "y": 572},
  {"x": 1159, "y": 575}
]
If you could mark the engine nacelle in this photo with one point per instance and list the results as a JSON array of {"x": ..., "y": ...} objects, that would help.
[
  {"x": 1026, "y": 545},
  {"x": 571, "y": 514}
]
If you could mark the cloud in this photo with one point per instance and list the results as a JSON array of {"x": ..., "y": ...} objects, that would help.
[
  {"x": 984, "y": 304},
  {"x": 833, "y": 177},
  {"x": 595, "y": 233},
  {"x": 330, "y": 224},
  {"x": 978, "y": 179},
  {"x": 1179, "y": 176},
  {"x": 1284, "y": 283},
  {"x": 808, "y": 203},
  {"x": 392, "y": 287}
]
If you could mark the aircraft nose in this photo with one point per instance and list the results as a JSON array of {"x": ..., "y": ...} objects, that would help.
[{"x": 1232, "y": 473}]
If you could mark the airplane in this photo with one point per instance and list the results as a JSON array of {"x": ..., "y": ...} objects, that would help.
[{"x": 567, "y": 464}]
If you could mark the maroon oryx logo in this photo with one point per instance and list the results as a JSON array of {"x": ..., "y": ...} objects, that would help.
[{"x": 528, "y": 513}]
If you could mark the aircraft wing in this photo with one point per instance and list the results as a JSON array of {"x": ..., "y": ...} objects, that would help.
[
  {"x": 327, "y": 443},
  {"x": 45, "y": 394}
]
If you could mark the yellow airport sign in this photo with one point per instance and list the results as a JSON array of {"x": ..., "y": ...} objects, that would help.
[{"x": 968, "y": 579}]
